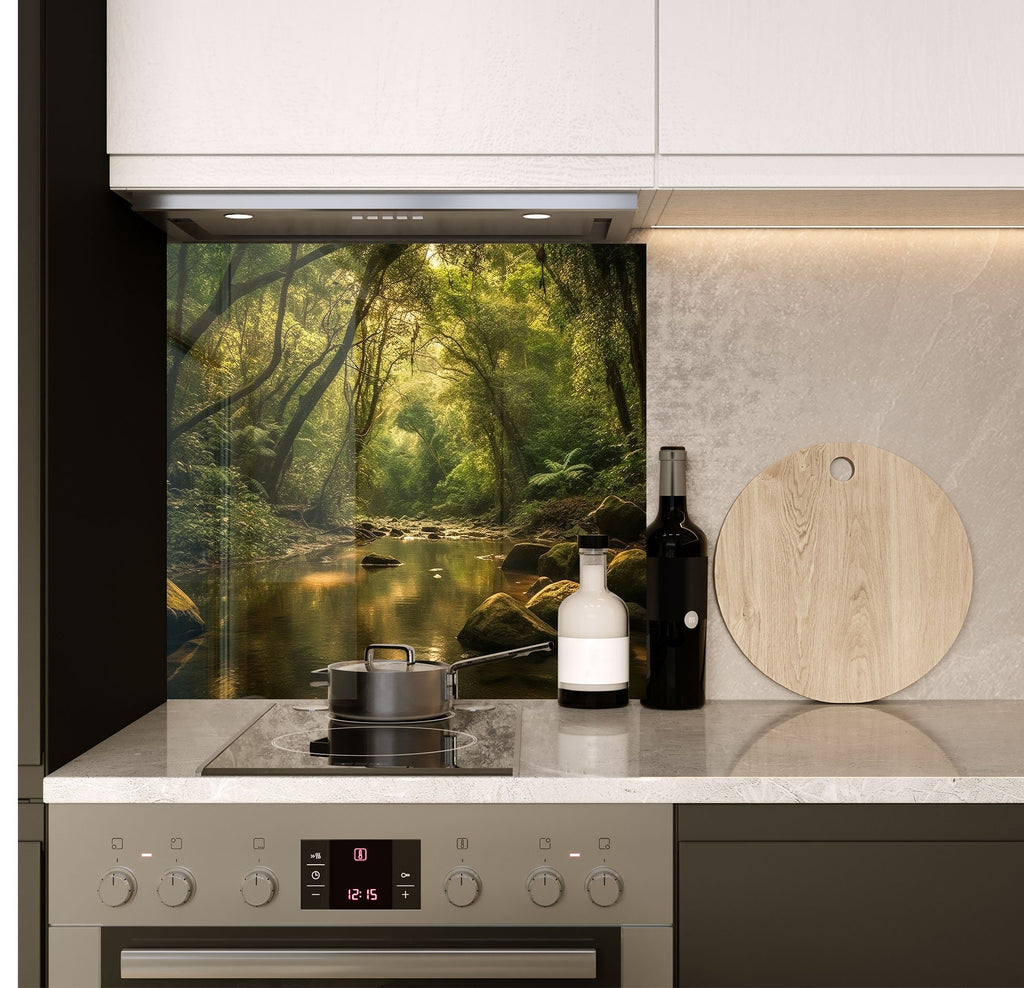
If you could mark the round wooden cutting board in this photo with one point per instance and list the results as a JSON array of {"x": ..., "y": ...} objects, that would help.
[{"x": 843, "y": 590}]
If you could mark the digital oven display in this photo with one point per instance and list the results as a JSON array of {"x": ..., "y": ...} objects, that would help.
[{"x": 360, "y": 874}]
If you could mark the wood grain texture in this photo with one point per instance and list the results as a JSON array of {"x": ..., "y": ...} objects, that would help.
[{"x": 843, "y": 591}]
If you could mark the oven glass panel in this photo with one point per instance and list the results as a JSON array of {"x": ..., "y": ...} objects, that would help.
[{"x": 360, "y": 874}]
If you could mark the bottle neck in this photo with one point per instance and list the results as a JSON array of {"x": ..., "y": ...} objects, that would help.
[
  {"x": 593, "y": 569},
  {"x": 672, "y": 482},
  {"x": 672, "y": 487}
]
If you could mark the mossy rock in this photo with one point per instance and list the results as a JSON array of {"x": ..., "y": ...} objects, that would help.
[
  {"x": 545, "y": 602},
  {"x": 184, "y": 621},
  {"x": 523, "y": 556},
  {"x": 627, "y": 576},
  {"x": 502, "y": 622},
  {"x": 637, "y": 616},
  {"x": 560, "y": 562},
  {"x": 374, "y": 560},
  {"x": 539, "y": 584},
  {"x": 620, "y": 519}
]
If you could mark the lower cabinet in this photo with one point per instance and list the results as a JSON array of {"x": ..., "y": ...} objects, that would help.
[{"x": 864, "y": 895}]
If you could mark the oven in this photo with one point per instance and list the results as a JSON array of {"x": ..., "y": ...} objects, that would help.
[{"x": 403, "y": 895}]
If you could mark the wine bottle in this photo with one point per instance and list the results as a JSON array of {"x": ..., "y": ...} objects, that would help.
[
  {"x": 593, "y": 635},
  {"x": 677, "y": 594}
]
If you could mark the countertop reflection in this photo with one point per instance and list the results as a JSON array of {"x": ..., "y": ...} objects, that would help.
[{"x": 729, "y": 751}]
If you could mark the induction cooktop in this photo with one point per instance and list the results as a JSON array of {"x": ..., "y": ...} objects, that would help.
[{"x": 479, "y": 737}]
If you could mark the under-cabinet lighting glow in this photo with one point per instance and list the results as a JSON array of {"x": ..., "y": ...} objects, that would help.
[
  {"x": 238, "y": 216},
  {"x": 536, "y": 216}
]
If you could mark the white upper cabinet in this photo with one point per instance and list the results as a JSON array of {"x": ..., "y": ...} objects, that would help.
[
  {"x": 866, "y": 77},
  {"x": 565, "y": 94},
  {"x": 381, "y": 77}
]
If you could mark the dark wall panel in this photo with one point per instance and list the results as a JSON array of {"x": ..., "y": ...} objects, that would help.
[{"x": 103, "y": 323}]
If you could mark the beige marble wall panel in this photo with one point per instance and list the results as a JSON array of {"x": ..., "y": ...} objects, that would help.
[{"x": 761, "y": 342}]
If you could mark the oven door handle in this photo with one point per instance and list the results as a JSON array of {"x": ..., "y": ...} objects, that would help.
[{"x": 441, "y": 965}]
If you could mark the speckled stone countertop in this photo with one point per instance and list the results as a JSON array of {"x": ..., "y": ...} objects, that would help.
[{"x": 967, "y": 751}]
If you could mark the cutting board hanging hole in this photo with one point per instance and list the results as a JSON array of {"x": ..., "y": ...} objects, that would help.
[{"x": 841, "y": 468}]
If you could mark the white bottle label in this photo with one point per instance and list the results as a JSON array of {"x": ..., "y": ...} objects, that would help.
[{"x": 593, "y": 664}]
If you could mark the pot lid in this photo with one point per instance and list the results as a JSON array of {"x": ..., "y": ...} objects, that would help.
[{"x": 388, "y": 665}]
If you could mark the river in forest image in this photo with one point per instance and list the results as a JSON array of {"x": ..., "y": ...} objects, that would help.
[
  {"x": 436, "y": 403},
  {"x": 272, "y": 622}
]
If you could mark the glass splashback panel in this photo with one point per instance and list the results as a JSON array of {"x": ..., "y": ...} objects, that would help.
[{"x": 367, "y": 442}]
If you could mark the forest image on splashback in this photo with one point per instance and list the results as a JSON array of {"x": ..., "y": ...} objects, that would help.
[{"x": 377, "y": 442}]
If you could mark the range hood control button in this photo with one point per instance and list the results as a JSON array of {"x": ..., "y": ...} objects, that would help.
[
  {"x": 462, "y": 886},
  {"x": 176, "y": 887},
  {"x": 604, "y": 887},
  {"x": 117, "y": 887},
  {"x": 259, "y": 886},
  {"x": 545, "y": 886}
]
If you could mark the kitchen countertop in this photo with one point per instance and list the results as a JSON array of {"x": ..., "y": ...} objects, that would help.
[{"x": 966, "y": 751}]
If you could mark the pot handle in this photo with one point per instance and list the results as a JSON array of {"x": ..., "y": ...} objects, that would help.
[
  {"x": 410, "y": 655},
  {"x": 512, "y": 653},
  {"x": 319, "y": 677}
]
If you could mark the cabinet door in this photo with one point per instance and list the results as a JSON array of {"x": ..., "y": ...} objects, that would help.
[
  {"x": 795, "y": 77},
  {"x": 850, "y": 913},
  {"x": 393, "y": 77}
]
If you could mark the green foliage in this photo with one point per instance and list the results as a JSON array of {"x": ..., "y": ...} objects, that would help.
[
  {"x": 626, "y": 477},
  {"x": 566, "y": 476},
  {"x": 468, "y": 490},
  {"x": 473, "y": 369},
  {"x": 219, "y": 519}
]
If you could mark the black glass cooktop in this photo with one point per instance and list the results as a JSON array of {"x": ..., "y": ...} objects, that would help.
[{"x": 298, "y": 738}]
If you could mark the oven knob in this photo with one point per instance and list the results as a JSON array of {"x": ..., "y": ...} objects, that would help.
[
  {"x": 259, "y": 886},
  {"x": 604, "y": 887},
  {"x": 462, "y": 886},
  {"x": 117, "y": 887},
  {"x": 545, "y": 886},
  {"x": 176, "y": 887}
]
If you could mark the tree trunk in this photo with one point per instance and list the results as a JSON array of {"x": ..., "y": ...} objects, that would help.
[
  {"x": 264, "y": 375},
  {"x": 382, "y": 256},
  {"x": 228, "y": 291}
]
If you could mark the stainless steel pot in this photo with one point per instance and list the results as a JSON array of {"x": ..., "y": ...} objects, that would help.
[{"x": 394, "y": 690}]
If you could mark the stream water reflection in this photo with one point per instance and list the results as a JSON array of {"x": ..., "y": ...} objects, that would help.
[{"x": 270, "y": 623}]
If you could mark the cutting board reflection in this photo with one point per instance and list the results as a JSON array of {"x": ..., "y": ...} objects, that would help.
[
  {"x": 843, "y": 590},
  {"x": 831, "y": 742}
]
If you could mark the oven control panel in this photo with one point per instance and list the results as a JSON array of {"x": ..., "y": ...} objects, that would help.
[{"x": 240, "y": 864}]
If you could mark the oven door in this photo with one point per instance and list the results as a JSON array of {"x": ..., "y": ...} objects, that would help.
[{"x": 399, "y": 956}]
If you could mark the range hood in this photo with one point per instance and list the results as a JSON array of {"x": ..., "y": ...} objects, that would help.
[{"x": 584, "y": 217}]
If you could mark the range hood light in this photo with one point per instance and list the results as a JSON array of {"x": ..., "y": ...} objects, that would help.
[
  {"x": 449, "y": 216},
  {"x": 238, "y": 216}
]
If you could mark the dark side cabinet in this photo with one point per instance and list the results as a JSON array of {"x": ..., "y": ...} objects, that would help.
[{"x": 863, "y": 895}]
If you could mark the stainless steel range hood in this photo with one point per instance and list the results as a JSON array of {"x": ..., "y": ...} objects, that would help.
[{"x": 585, "y": 217}]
